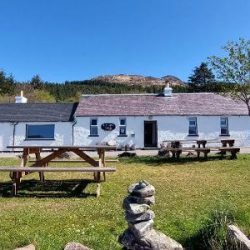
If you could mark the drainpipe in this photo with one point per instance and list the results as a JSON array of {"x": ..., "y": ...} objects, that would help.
[
  {"x": 73, "y": 130},
  {"x": 14, "y": 134}
]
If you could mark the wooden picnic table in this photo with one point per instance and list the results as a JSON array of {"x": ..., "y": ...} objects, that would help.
[
  {"x": 227, "y": 142},
  {"x": 176, "y": 147},
  {"x": 56, "y": 151}
]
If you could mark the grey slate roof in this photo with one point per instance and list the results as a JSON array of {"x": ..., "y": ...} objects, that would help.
[
  {"x": 187, "y": 104},
  {"x": 37, "y": 112}
]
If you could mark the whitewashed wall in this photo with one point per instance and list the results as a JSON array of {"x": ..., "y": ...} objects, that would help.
[
  {"x": 6, "y": 135},
  {"x": 63, "y": 134},
  {"x": 169, "y": 128}
]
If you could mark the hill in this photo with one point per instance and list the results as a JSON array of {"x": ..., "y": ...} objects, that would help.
[{"x": 140, "y": 80}]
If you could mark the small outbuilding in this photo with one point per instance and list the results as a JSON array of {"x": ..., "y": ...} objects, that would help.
[{"x": 36, "y": 124}]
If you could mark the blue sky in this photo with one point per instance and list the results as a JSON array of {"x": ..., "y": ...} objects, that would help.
[{"x": 79, "y": 39}]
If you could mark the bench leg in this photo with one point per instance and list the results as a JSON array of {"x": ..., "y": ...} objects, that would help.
[
  {"x": 98, "y": 190},
  {"x": 198, "y": 154},
  {"x": 205, "y": 155},
  {"x": 233, "y": 155},
  {"x": 16, "y": 179},
  {"x": 41, "y": 176}
]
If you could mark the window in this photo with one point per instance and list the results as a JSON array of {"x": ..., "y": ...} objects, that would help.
[
  {"x": 123, "y": 127},
  {"x": 224, "y": 126},
  {"x": 40, "y": 132},
  {"x": 192, "y": 130},
  {"x": 93, "y": 127}
]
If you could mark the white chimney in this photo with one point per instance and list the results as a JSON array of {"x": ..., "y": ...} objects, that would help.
[
  {"x": 21, "y": 98},
  {"x": 168, "y": 91}
]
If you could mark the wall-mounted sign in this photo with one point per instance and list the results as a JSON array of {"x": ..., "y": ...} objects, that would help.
[{"x": 108, "y": 126}]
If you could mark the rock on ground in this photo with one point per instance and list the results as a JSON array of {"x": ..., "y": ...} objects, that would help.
[
  {"x": 29, "y": 247},
  {"x": 238, "y": 238},
  {"x": 134, "y": 218},
  {"x": 75, "y": 246},
  {"x": 152, "y": 240},
  {"x": 150, "y": 200},
  {"x": 141, "y": 189}
]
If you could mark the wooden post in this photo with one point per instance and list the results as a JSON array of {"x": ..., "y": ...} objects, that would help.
[
  {"x": 198, "y": 154},
  {"x": 101, "y": 153},
  {"x": 98, "y": 190},
  {"x": 16, "y": 176},
  {"x": 24, "y": 159},
  {"x": 38, "y": 158}
]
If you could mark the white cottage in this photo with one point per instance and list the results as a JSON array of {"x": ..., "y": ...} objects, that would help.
[
  {"x": 145, "y": 120},
  {"x": 36, "y": 124}
]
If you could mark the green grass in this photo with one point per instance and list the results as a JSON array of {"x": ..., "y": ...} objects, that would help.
[{"x": 187, "y": 194}]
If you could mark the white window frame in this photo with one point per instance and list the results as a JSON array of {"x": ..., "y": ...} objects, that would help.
[
  {"x": 224, "y": 126},
  {"x": 192, "y": 119},
  {"x": 93, "y": 127},
  {"x": 122, "y": 126}
]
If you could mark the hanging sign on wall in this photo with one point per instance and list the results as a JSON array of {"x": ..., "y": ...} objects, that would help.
[{"x": 108, "y": 126}]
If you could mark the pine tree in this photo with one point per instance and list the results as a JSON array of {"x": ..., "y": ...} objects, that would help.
[{"x": 201, "y": 76}]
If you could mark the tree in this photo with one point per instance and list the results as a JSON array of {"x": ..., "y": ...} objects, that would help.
[
  {"x": 40, "y": 96},
  {"x": 234, "y": 67},
  {"x": 201, "y": 76},
  {"x": 7, "y": 84},
  {"x": 36, "y": 82}
]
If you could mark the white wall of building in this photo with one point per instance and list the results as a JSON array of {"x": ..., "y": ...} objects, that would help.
[
  {"x": 63, "y": 134},
  {"x": 169, "y": 128},
  {"x": 6, "y": 135}
]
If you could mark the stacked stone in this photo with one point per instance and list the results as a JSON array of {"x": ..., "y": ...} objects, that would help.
[{"x": 140, "y": 234}]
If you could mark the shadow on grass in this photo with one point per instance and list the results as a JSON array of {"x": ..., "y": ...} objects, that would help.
[
  {"x": 159, "y": 160},
  {"x": 48, "y": 189}
]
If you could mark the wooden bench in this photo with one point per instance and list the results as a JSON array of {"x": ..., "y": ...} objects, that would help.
[
  {"x": 231, "y": 150},
  {"x": 17, "y": 172},
  {"x": 73, "y": 161},
  {"x": 205, "y": 151},
  {"x": 176, "y": 152}
]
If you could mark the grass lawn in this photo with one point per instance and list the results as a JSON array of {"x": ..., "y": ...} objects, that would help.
[{"x": 187, "y": 192}]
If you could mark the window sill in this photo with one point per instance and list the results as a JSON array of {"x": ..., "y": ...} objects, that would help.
[
  {"x": 93, "y": 135},
  {"x": 39, "y": 139},
  {"x": 225, "y": 135},
  {"x": 122, "y": 136},
  {"x": 193, "y": 135}
]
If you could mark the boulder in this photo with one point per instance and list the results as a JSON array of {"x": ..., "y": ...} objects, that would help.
[
  {"x": 152, "y": 240},
  {"x": 156, "y": 240},
  {"x": 237, "y": 238},
  {"x": 28, "y": 247},
  {"x": 150, "y": 200},
  {"x": 75, "y": 246},
  {"x": 134, "y": 218},
  {"x": 141, "y": 189},
  {"x": 141, "y": 228},
  {"x": 134, "y": 208}
]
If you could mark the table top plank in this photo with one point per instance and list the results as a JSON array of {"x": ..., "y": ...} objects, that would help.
[
  {"x": 84, "y": 148},
  {"x": 53, "y": 169}
]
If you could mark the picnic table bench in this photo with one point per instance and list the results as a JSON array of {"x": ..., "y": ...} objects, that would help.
[
  {"x": 16, "y": 174},
  {"x": 40, "y": 164},
  {"x": 176, "y": 147},
  {"x": 232, "y": 150}
]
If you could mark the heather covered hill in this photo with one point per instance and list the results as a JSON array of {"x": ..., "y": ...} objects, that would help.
[{"x": 140, "y": 80}]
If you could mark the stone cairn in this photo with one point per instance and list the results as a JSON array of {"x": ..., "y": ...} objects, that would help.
[{"x": 140, "y": 234}]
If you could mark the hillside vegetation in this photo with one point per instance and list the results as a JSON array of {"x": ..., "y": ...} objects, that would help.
[{"x": 38, "y": 90}]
